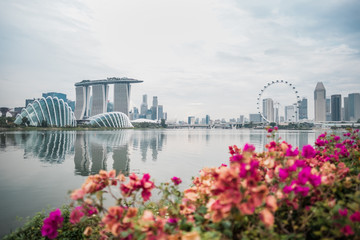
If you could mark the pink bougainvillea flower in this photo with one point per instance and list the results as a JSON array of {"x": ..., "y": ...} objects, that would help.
[
  {"x": 347, "y": 230},
  {"x": 343, "y": 212},
  {"x": 236, "y": 158},
  {"x": 304, "y": 175},
  {"x": 355, "y": 217},
  {"x": 315, "y": 180},
  {"x": 172, "y": 221},
  {"x": 52, "y": 224},
  {"x": 287, "y": 189},
  {"x": 269, "y": 130},
  {"x": 249, "y": 148},
  {"x": 276, "y": 128},
  {"x": 291, "y": 153},
  {"x": 283, "y": 173},
  {"x": 176, "y": 180},
  {"x": 76, "y": 215},
  {"x": 308, "y": 151},
  {"x": 302, "y": 190}
]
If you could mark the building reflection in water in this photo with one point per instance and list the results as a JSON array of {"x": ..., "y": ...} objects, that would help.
[
  {"x": 47, "y": 146},
  {"x": 152, "y": 140}
]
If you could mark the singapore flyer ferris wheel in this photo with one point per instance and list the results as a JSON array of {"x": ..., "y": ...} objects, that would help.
[{"x": 269, "y": 106}]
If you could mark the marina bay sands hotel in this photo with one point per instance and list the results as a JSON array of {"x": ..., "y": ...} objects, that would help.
[{"x": 100, "y": 94}]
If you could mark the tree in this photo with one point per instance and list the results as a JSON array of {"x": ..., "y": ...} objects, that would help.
[
  {"x": 163, "y": 124},
  {"x": 25, "y": 121}
]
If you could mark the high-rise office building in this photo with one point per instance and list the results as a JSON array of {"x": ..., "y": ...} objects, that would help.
[
  {"x": 346, "y": 109},
  {"x": 320, "y": 102},
  {"x": 191, "y": 120},
  {"x": 154, "y": 108},
  {"x": 354, "y": 106},
  {"x": 241, "y": 119},
  {"x": 268, "y": 109},
  {"x": 303, "y": 106},
  {"x": 255, "y": 118},
  {"x": 290, "y": 115},
  {"x": 161, "y": 112},
  {"x": 144, "y": 106},
  {"x": 207, "y": 119},
  {"x": 336, "y": 107},
  {"x": 328, "y": 109}
]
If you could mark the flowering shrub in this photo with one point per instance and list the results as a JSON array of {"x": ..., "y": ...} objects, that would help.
[{"x": 282, "y": 193}]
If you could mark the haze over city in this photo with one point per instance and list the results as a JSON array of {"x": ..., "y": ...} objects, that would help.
[{"x": 199, "y": 58}]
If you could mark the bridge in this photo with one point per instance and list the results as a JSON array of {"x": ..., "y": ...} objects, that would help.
[{"x": 206, "y": 126}]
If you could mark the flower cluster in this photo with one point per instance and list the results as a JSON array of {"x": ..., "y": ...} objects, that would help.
[
  {"x": 306, "y": 194},
  {"x": 52, "y": 224}
]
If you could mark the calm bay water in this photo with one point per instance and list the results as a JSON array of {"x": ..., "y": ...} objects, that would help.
[{"x": 38, "y": 168}]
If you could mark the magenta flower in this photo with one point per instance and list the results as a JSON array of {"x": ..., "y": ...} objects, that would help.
[
  {"x": 343, "y": 212},
  {"x": 336, "y": 138},
  {"x": 300, "y": 163},
  {"x": 276, "y": 128},
  {"x": 269, "y": 130},
  {"x": 172, "y": 221},
  {"x": 308, "y": 151},
  {"x": 355, "y": 217},
  {"x": 236, "y": 158},
  {"x": 283, "y": 173},
  {"x": 243, "y": 171},
  {"x": 249, "y": 148},
  {"x": 304, "y": 175},
  {"x": 176, "y": 180},
  {"x": 315, "y": 180},
  {"x": 290, "y": 153},
  {"x": 51, "y": 224},
  {"x": 287, "y": 189},
  {"x": 347, "y": 230}
]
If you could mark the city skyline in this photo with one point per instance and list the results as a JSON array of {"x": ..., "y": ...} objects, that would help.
[{"x": 199, "y": 57}]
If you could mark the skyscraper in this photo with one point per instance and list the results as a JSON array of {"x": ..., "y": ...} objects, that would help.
[
  {"x": 303, "y": 112},
  {"x": 154, "y": 108},
  {"x": 328, "y": 109},
  {"x": 144, "y": 106},
  {"x": 336, "y": 107},
  {"x": 354, "y": 106},
  {"x": 320, "y": 102},
  {"x": 290, "y": 115},
  {"x": 346, "y": 109},
  {"x": 268, "y": 109},
  {"x": 161, "y": 112}
]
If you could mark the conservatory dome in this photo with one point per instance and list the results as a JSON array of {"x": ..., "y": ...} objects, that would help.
[
  {"x": 51, "y": 111},
  {"x": 111, "y": 119}
]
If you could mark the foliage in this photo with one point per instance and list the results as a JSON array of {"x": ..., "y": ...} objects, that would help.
[
  {"x": 7, "y": 122},
  {"x": 281, "y": 193},
  {"x": 32, "y": 227}
]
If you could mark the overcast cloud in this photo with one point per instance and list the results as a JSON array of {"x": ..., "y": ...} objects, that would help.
[{"x": 199, "y": 57}]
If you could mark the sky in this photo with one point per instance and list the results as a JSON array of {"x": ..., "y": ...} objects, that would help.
[{"x": 199, "y": 57}]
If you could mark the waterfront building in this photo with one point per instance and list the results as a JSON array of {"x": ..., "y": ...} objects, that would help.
[
  {"x": 268, "y": 109},
  {"x": 320, "y": 102},
  {"x": 47, "y": 111},
  {"x": 100, "y": 91},
  {"x": 303, "y": 109},
  {"x": 144, "y": 106},
  {"x": 160, "y": 112},
  {"x": 241, "y": 119},
  {"x": 191, "y": 120},
  {"x": 207, "y": 119},
  {"x": 55, "y": 94},
  {"x": 346, "y": 109},
  {"x": 136, "y": 113},
  {"x": 255, "y": 117},
  {"x": 328, "y": 109},
  {"x": 112, "y": 119},
  {"x": 154, "y": 108},
  {"x": 290, "y": 113},
  {"x": 336, "y": 107},
  {"x": 354, "y": 106}
]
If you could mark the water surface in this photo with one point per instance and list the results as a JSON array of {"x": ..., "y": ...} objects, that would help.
[{"x": 38, "y": 168}]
